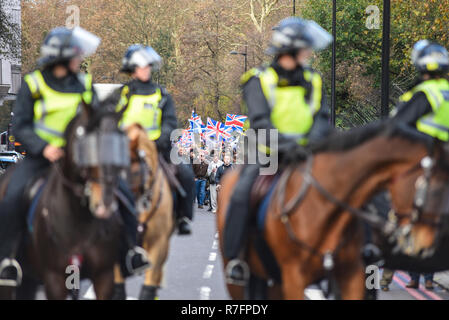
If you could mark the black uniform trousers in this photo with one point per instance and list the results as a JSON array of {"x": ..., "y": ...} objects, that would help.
[
  {"x": 238, "y": 214},
  {"x": 12, "y": 208}
]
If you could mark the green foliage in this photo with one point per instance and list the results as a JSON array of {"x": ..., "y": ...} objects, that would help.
[{"x": 359, "y": 50}]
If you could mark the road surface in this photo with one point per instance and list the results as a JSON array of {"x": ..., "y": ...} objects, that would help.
[{"x": 194, "y": 272}]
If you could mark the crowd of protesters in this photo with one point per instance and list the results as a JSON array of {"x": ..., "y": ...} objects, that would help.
[{"x": 209, "y": 169}]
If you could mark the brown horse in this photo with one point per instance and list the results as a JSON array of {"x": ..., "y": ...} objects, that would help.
[
  {"x": 155, "y": 208},
  {"x": 317, "y": 230},
  {"x": 76, "y": 223}
]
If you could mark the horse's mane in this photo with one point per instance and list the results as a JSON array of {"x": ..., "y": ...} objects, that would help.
[{"x": 346, "y": 140}]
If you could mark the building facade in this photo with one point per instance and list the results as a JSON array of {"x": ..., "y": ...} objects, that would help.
[{"x": 10, "y": 67}]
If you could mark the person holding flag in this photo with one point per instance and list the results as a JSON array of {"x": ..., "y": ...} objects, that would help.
[
  {"x": 288, "y": 96},
  {"x": 151, "y": 106}
]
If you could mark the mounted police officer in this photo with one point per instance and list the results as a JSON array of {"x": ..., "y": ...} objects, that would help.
[
  {"x": 426, "y": 106},
  {"x": 151, "y": 106},
  {"x": 288, "y": 96},
  {"x": 48, "y": 100}
]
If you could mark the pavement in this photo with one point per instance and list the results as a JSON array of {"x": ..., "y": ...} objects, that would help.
[{"x": 194, "y": 272}]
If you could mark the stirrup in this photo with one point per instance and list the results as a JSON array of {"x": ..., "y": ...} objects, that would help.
[
  {"x": 228, "y": 271},
  {"x": 129, "y": 256},
  {"x": 11, "y": 263}
]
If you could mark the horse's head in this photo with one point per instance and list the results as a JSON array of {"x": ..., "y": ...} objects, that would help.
[
  {"x": 420, "y": 204},
  {"x": 144, "y": 165},
  {"x": 97, "y": 153}
]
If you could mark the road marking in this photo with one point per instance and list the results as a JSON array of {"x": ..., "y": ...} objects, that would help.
[
  {"x": 215, "y": 245},
  {"x": 208, "y": 271},
  {"x": 212, "y": 256},
  {"x": 421, "y": 287},
  {"x": 205, "y": 293},
  {"x": 90, "y": 294},
  {"x": 314, "y": 294},
  {"x": 412, "y": 292}
]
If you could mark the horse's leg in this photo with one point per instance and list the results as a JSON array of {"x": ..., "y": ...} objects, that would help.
[
  {"x": 158, "y": 252},
  {"x": 293, "y": 281},
  {"x": 350, "y": 272},
  {"x": 119, "y": 285},
  {"x": 257, "y": 288},
  {"x": 55, "y": 287},
  {"x": 352, "y": 282},
  {"x": 104, "y": 284},
  {"x": 27, "y": 290},
  {"x": 275, "y": 292}
]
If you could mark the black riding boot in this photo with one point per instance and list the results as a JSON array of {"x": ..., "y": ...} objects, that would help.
[
  {"x": 11, "y": 227},
  {"x": 13, "y": 217},
  {"x": 235, "y": 231},
  {"x": 184, "y": 210}
]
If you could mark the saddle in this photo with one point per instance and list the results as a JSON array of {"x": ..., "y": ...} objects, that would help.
[
  {"x": 260, "y": 197},
  {"x": 260, "y": 189},
  {"x": 33, "y": 193}
]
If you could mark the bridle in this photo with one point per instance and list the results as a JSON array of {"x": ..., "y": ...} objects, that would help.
[
  {"x": 146, "y": 187},
  {"x": 386, "y": 226},
  {"x": 421, "y": 195}
]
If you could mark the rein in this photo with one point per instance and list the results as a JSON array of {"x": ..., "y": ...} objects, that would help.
[
  {"x": 145, "y": 200},
  {"x": 77, "y": 188}
]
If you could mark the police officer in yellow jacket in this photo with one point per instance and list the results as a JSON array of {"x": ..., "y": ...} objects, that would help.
[
  {"x": 48, "y": 100},
  {"x": 151, "y": 106},
  {"x": 288, "y": 96},
  {"x": 426, "y": 106}
]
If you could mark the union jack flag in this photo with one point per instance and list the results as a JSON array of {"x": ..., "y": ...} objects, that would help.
[
  {"x": 186, "y": 139},
  {"x": 196, "y": 118},
  {"x": 218, "y": 130},
  {"x": 195, "y": 127},
  {"x": 236, "y": 121}
]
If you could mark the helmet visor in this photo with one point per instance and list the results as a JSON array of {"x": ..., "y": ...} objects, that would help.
[
  {"x": 155, "y": 58},
  {"x": 86, "y": 41},
  {"x": 417, "y": 48},
  {"x": 321, "y": 38}
]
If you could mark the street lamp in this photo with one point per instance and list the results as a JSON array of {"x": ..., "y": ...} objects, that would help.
[
  {"x": 334, "y": 64},
  {"x": 385, "y": 95},
  {"x": 245, "y": 54},
  {"x": 10, "y": 144}
]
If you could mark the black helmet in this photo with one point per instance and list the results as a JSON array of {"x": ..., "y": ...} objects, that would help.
[
  {"x": 63, "y": 44},
  {"x": 430, "y": 57},
  {"x": 295, "y": 33},
  {"x": 138, "y": 55}
]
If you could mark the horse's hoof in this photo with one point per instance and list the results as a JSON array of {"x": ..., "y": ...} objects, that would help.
[
  {"x": 119, "y": 292},
  {"x": 148, "y": 293}
]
